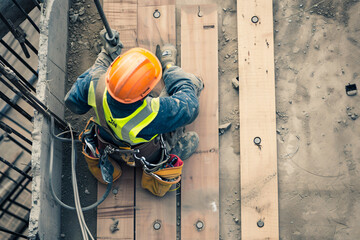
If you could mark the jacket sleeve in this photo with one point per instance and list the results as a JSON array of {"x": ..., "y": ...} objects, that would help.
[
  {"x": 180, "y": 108},
  {"x": 77, "y": 97}
]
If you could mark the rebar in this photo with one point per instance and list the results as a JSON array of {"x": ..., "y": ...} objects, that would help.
[
  {"x": 6, "y": 172},
  {"x": 2, "y": 229},
  {"x": 26, "y": 15},
  {"x": 18, "y": 143},
  {"x": 16, "y": 107},
  {"x": 18, "y": 33},
  {"x": 20, "y": 205},
  {"x": 31, "y": 46},
  {"x": 21, "y": 227},
  {"x": 36, "y": 4},
  {"x": 15, "y": 122},
  {"x": 18, "y": 56},
  {"x": 9, "y": 194},
  {"x": 23, "y": 80},
  {"x": 41, "y": 107},
  {"x": 17, "y": 96},
  {"x": 11, "y": 130},
  {"x": 6, "y": 211},
  {"x": 15, "y": 168},
  {"x": 6, "y": 108}
]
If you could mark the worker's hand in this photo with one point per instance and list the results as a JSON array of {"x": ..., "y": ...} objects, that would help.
[
  {"x": 166, "y": 55},
  {"x": 112, "y": 50}
]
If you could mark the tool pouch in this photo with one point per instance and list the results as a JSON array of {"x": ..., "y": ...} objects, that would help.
[
  {"x": 92, "y": 156},
  {"x": 160, "y": 181}
]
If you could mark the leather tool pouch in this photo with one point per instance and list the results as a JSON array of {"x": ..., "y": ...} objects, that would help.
[
  {"x": 159, "y": 182},
  {"x": 102, "y": 170}
]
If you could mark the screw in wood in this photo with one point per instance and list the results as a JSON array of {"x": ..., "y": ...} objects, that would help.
[
  {"x": 156, "y": 14},
  {"x": 157, "y": 225},
  {"x": 255, "y": 19},
  {"x": 260, "y": 223},
  {"x": 199, "y": 225},
  {"x": 257, "y": 141}
]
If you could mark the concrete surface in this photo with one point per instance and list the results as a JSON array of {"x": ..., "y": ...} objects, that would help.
[
  {"x": 45, "y": 214},
  {"x": 316, "y": 55}
]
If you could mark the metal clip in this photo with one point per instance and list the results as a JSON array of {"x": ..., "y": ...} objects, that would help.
[{"x": 107, "y": 169}]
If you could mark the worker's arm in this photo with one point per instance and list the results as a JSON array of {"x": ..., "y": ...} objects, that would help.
[
  {"x": 182, "y": 105},
  {"x": 77, "y": 97}
]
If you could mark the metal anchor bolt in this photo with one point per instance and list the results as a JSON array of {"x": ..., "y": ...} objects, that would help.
[
  {"x": 255, "y": 19},
  {"x": 199, "y": 225},
  {"x": 257, "y": 141},
  {"x": 260, "y": 223},
  {"x": 157, "y": 225},
  {"x": 156, "y": 14}
]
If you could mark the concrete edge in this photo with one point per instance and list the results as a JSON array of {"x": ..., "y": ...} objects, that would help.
[{"x": 44, "y": 222}]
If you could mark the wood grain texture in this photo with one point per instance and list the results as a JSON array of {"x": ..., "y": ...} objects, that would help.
[
  {"x": 149, "y": 208},
  {"x": 122, "y": 16},
  {"x": 147, "y": 3},
  {"x": 153, "y": 31},
  {"x": 117, "y": 207},
  {"x": 156, "y": 31},
  {"x": 200, "y": 182},
  {"x": 258, "y": 166}
]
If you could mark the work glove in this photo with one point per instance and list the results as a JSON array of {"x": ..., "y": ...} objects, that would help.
[
  {"x": 112, "y": 51},
  {"x": 167, "y": 55},
  {"x": 199, "y": 84}
]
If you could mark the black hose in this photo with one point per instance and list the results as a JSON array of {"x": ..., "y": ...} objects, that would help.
[
  {"x": 94, "y": 205},
  {"x": 110, "y": 34}
]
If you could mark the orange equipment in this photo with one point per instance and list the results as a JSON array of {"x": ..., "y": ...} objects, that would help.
[{"x": 132, "y": 75}]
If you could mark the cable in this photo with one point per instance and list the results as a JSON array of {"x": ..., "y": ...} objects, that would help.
[
  {"x": 79, "y": 213},
  {"x": 94, "y": 205}
]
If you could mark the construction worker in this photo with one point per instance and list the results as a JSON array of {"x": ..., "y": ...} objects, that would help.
[{"x": 135, "y": 119}]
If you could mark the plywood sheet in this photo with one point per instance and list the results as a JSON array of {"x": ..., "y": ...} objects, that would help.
[
  {"x": 200, "y": 182},
  {"x": 122, "y": 16},
  {"x": 258, "y": 164},
  {"x": 149, "y": 208},
  {"x": 117, "y": 207},
  {"x": 156, "y": 31},
  {"x": 153, "y": 31}
]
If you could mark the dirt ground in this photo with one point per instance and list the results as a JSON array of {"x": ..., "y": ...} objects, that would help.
[{"x": 317, "y": 52}]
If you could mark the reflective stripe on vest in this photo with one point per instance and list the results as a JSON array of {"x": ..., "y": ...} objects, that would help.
[{"x": 129, "y": 127}]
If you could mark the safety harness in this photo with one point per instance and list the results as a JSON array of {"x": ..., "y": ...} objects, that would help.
[
  {"x": 160, "y": 169},
  {"x": 123, "y": 131}
]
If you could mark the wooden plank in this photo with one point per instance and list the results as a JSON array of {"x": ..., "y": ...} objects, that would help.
[
  {"x": 258, "y": 166},
  {"x": 117, "y": 207},
  {"x": 153, "y": 31},
  {"x": 200, "y": 182},
  {"x": 149, "y": 208},
  {"x": 122, "y": 16},
  {"x": 145, "y": 3}
]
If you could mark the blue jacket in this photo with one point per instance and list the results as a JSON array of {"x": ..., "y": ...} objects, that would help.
[{"x": 178, "y": 109}]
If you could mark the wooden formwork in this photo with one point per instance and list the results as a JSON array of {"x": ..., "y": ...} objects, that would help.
[{"x": 194, "y": 215}]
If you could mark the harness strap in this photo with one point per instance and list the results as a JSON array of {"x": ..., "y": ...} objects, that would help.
[{"x": 99, "y": 93}]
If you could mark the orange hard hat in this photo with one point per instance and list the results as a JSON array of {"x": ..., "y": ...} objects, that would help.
[{"x": 133, "y": 75}]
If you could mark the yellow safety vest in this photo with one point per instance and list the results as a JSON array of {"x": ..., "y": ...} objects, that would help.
[{"x": 127, "y": 128}]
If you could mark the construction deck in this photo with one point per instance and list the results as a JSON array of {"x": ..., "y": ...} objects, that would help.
[
  {"x": 192, "y": 212},
  {"x": 195, "y": 215}
]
